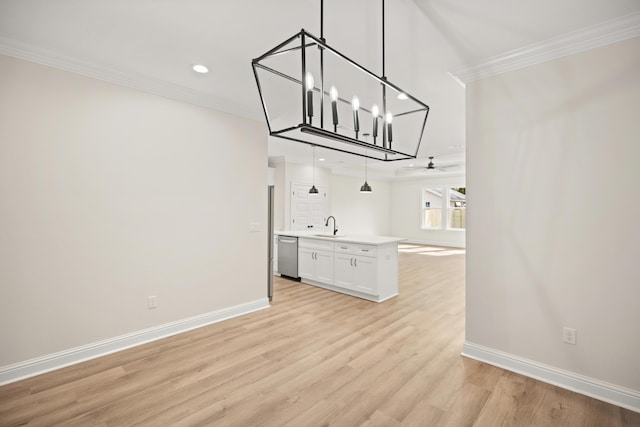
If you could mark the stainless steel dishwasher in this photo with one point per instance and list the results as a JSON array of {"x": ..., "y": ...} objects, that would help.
[{"x": 288, "y": 257}]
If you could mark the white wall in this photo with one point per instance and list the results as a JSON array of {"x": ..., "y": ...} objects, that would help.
[
  {"x": 109, "y": 195},
  {"x": 553, "y": 208},
  {"x": 358, "y": 213},
  {"x": 406, "y": 211}
]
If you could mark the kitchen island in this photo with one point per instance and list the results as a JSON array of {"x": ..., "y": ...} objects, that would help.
[{"x": 361, "y": 266}]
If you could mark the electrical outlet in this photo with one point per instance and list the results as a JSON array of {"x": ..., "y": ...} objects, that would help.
[
  {"x": 569, "y": 335},
  {"x": 152, "y": 302}
]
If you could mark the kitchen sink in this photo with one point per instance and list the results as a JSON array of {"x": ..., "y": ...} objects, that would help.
[{"x": 330, "y": 235}]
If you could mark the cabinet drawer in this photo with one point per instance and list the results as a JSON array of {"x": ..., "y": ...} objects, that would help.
[
  {"x": 357, "y": 249},
  {"x": 315, "y": 244},
  {"x": 365, "y": 250},
  {"x": 344, "y": 247}
]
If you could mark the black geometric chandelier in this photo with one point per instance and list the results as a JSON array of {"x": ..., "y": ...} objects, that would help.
[{"x": 313, "y": 94}]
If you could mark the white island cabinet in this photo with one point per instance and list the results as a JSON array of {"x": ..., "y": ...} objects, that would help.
[
  {"x": 315, "y": 260},
  {"x": 356, "y": 268},
  {"x": 361, "y": 266}
]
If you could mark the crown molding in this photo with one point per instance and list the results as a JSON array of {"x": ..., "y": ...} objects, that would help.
[
  {"x": 607, "y": 32},
  {"x": 27, "y": 52}
]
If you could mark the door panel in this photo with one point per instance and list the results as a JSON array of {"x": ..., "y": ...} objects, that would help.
[{"x": 307, "y": 209}]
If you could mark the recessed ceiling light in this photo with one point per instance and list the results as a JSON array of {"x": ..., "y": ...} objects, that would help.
[
  {"x": 321, "y": 159},
  {"x": 411, "y": 165},
  {"x": 455, "y": 147},
  {"x": 200, "y": 69},
  {"x": 402, "y": 96}
]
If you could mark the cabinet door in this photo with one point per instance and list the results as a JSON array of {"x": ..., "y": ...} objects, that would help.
[
  {"x": 324, "y": 267},
  {"x": 344, "y": 270},
  {"x": 306, "y": 263},
  {"x": 365, "y": 275}
]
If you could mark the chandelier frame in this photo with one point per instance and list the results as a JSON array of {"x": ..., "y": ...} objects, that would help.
[{"x": 305, "y": 131}]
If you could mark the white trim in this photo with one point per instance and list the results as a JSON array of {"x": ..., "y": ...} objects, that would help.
[
  {"x": 423, "y": 228},
  {"x": 351, "y": 292},
  {"x": 460, "y": 245},
  {"x": 132, "y": 80},
  {"x": 50, "y": 362},
  {"x": 591, "y": 387},
  {"x": 604, "y": 33}
]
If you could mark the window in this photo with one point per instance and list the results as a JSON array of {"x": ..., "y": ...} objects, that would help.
[
  {"x": 432, "y": 208},
  {"x": 439, "y": 204},
  {"x": 457, "y": 207}
]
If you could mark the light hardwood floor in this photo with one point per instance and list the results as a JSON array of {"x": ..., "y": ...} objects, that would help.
[{"x": 315, "y": 358}]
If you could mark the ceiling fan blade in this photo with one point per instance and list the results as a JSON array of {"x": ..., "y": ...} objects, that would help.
[
  {"x": 433, "y": 166},
  {"x": 448, "y": 166},
  {"x": 413, "y": 167}
]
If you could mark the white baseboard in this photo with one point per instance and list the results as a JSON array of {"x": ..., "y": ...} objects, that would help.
[
  {"x": 50, "y": 362},
  {"x": 611, "y": 393},
  {"x": 434, "y": 243},
  {"x": 338, "y": 289}
]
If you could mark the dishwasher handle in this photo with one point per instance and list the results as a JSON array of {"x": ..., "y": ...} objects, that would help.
[{"x": 280, "y": 239}]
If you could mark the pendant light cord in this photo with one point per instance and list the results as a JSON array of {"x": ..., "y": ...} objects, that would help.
[
  {"x": 322, "y": 19},
  {"x": 366, "y": 152},
  {"x": 383, "y": 35},
  {"x": 322, "y": 64},
  {"x": 383, "y": 58}
]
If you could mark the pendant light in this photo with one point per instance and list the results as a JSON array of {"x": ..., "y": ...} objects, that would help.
[
  {"x": 313, "y": 189},
  {"x": 366, "y": 188},
  {"x": 315, "y": 70}
]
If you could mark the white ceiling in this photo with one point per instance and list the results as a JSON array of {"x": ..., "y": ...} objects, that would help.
[{"x": 158, "y": 41}]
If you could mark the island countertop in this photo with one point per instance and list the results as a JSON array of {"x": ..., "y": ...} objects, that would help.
[{"x": 345, "y": 238}]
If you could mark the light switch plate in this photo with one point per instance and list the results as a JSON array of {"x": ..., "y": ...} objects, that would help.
[
  {"x": 152, "y": 302},
  {"x": 569, "y": 335}
]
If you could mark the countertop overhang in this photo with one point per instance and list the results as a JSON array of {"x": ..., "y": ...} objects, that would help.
[{"x": 345, "y": 238}]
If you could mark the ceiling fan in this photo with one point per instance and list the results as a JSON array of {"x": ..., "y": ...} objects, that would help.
[{"x": 431, "y": 167}]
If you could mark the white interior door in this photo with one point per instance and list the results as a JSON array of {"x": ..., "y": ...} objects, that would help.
[{"x": 307, "y": 210}]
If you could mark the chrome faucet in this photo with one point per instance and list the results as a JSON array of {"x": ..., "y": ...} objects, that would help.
[{"x": 335, "y": 228}]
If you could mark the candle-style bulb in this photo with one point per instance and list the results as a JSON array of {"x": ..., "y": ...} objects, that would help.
[
  {"x": 309, "y": 84},
  {"x": 355, "y": 104},
  {"x": 389, "y": 120},
  {"x": 309, "y": 81},
  {"x": 374, "y": 112},
  {"x": 333, "y": 94}
]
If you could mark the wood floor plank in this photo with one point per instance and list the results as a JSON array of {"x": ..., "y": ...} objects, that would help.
[
  {"x": 423, "y": 415},
  {"x": 463, "y": 409},
  {"x": 315, "y": 358}
]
